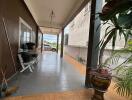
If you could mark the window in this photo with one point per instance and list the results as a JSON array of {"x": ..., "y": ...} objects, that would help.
[
  {"x": 27, "y": 37},
  {"x": 25, "y": 33}
]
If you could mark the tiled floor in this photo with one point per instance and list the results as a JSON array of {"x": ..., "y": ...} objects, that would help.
[
  {"x": 111, "y": 94},
  {"x": 83, "y": 94},
  {"x": 52, "y": 74}
]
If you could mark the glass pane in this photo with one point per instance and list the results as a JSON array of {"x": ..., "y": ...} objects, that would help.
[{"x": 28, "y": 37}]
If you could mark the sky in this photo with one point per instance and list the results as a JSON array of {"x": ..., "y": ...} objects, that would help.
[{"x": 50, "y": 38}]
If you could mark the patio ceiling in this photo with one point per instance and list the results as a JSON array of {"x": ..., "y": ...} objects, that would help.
[{"x": 64, "y": 11}]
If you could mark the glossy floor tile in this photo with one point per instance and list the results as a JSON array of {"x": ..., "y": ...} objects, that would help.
[
  {"x": 82, "y": 94},
  {"x": 51, "y": 74}
]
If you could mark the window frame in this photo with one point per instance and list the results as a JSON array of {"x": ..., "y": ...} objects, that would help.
[{"x": 21, "y": 21}]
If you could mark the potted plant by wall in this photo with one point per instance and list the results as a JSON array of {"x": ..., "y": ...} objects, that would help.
[
  {"x": 122, "y": 73},
  {"x": 117, "y": 15}
]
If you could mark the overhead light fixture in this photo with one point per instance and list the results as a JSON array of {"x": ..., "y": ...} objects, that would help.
[{"x": 52, "y": 16}]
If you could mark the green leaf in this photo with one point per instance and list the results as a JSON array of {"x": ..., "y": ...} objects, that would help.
[
  {"x": 122, "y": 6},
  {"x": 124, "y": 85},
  {"x": 114, "y": 39},
  {"x": 107, "y": 0},
  {"x": 125, "y": 20},
  {"x": 126, "y": 36},
  {"x": 100, "y": 25},
  {"x": 105, "y": 36}
]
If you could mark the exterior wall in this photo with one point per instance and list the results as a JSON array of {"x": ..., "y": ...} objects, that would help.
[
  {"x": 79, "y": 33},
  {"x": 77, "y": 52},
  {"x": 81, "y": 52},
  {"x": 79, "y": 28},
  {"x": 11, "y": 10}
]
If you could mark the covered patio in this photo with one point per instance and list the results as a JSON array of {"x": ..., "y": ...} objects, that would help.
[
  {"x": 56, "y": 76},
  {"x": 52, "y": 17}
]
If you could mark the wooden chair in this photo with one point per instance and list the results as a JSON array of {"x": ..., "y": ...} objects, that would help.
[{"x": 27, "y": 65}]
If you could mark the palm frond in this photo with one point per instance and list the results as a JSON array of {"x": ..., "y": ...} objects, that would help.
[
  {"x": 123, "y": 71},
  {"x": 124, "y": 84}
]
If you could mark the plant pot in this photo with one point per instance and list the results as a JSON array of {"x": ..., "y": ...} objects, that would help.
[{"x": 100, "y": 83}]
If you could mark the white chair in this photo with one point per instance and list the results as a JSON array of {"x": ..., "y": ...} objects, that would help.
[{"x": 27, "y": 65}]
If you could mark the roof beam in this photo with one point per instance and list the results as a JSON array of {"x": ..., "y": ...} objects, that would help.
[{"x": 72, "y": 16}]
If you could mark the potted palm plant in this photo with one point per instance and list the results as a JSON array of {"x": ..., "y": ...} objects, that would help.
[
  {"x": 123, "y": 70},
  {"x": 117, "y": 15}
]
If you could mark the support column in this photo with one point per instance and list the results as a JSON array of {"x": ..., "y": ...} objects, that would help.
[
  {"x": 93, "y": 40},
  {"x": 36, "y": 40},
  {"x": 42, "y": 42},
  {"x": 57, "y": 47},
  {"x": 62, "y": 42}
]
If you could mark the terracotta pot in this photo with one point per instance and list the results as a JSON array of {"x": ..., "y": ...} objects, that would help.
[{"x": 101, "y": 82}]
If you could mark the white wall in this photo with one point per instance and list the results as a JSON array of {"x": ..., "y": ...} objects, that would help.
[
  {"x": 76, "y": 52},
  {"x": 79, "y": 29}
]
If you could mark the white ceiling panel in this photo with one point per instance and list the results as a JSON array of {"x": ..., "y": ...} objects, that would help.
[
  {"x": 63, "y": 10},
  {"x": 52, "y": 31}
]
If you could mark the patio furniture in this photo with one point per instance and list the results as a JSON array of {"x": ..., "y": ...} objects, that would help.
[
  {"x": 30, "y": 45},
  {"x": 26, "y": 65}
]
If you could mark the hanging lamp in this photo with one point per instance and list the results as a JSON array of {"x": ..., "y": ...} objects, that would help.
[{"x": 52, "y": 16}]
